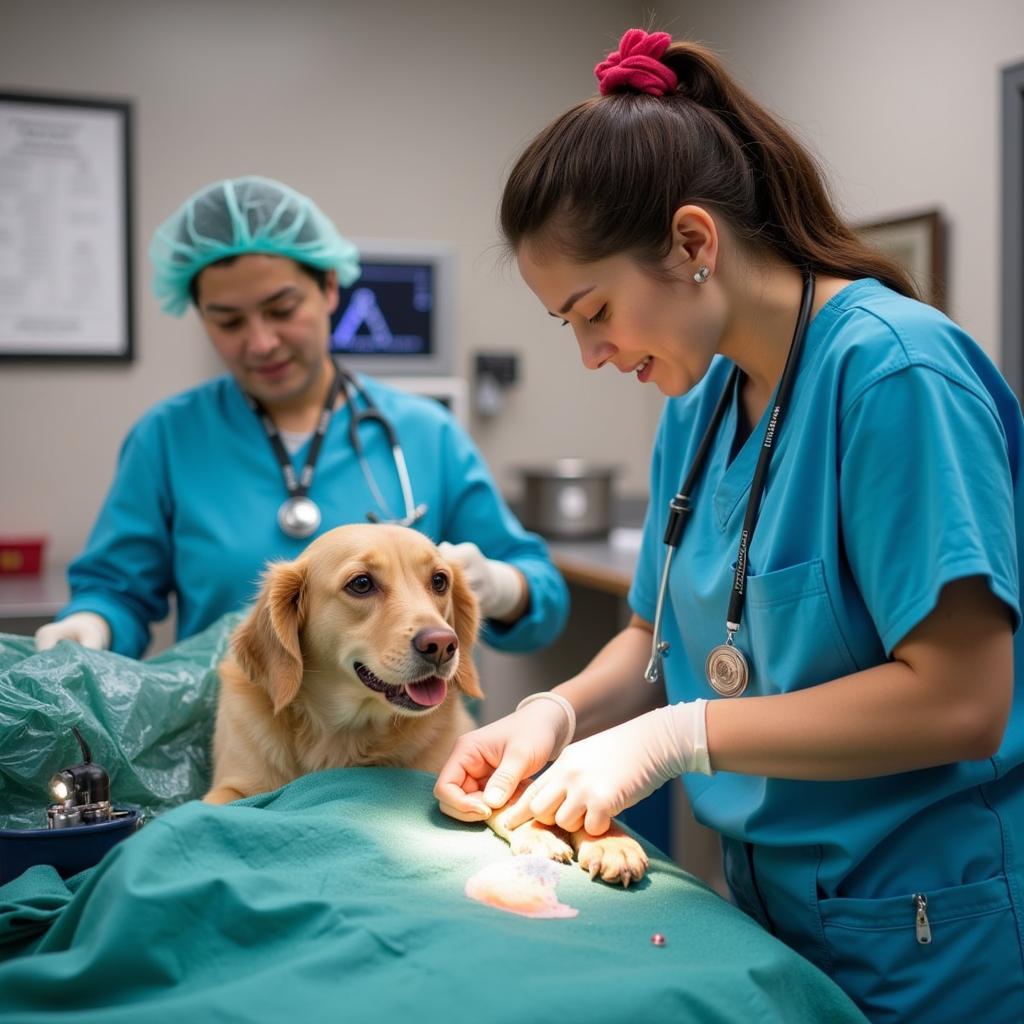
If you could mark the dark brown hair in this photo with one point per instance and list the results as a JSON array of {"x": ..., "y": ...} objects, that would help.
[
  {"x": 318, "y": 275},
  {"x": 607, "y": 176}
]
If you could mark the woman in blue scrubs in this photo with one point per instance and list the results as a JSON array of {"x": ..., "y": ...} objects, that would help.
[
  {"x": 200, "y": 500},
  {"x": 839, "y": 637}
]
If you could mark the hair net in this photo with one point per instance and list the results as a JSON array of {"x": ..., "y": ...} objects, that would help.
[{"x": 243, "y": 215}]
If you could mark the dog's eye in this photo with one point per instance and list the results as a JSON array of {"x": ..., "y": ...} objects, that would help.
[
  {"x": 439, "y": 582},
  {"x": 360, "y": 585}
]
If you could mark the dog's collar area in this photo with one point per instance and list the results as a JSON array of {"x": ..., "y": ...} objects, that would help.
[{"x": 421, "y": 695}]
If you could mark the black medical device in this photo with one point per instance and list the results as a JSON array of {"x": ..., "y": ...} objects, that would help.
[
  {"x": 82, "y": 792},
  {"x": 81, "y": 824}
]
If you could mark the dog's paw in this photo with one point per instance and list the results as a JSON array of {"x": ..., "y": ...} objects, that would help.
[
  {"x": 549, "y": 842},
  {"x": 613, "y": 858}
]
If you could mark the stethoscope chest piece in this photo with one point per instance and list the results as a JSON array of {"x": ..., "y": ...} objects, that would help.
[
  {"x": 299, "y": 517},
  {"x": 727, "y": 670}
]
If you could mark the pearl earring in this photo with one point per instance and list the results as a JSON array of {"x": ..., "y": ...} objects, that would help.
[{"x": 702, "y": 275}]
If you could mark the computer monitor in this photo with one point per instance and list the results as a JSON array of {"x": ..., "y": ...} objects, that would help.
[{"x": 396, "y": 319}]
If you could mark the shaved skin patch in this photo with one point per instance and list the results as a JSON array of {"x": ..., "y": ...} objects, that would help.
[{"x": 522, "y": 885}]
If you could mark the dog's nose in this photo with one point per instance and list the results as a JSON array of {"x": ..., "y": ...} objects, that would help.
[{"x": 436, "y": 645}]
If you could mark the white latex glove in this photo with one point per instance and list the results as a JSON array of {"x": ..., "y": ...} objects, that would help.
[
  {"x": 85, "y": 628},
  {"x": 497, "y": 585},
  {"x": 486, "y": 765},
  {"x": 599, "y": 777}
]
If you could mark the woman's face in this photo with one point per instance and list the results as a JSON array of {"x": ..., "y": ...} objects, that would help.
[
  {"x": 269, "y": 321},
  {"x": 665, "y": 332}
]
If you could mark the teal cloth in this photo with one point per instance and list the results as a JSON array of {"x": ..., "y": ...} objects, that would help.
[
  {"x": 340, "y": 897},
  {"x": 337, "y": 897}
]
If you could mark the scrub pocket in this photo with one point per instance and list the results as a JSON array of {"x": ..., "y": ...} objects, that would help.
[
  {"x": 971, "y": 971},
  {"x": 793, "y": 637}
]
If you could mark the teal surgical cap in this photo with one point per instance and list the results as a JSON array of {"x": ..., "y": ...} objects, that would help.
[{"x": 238, "y": 216}]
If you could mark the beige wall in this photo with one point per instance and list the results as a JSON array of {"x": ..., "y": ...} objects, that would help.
[
  {"x": 900, "y": 98},
  {"x": 400, "y": 118}
]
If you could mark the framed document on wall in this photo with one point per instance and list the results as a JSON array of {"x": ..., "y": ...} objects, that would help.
[
  {"x": 918, "y": 242},
  {"x": 65, "y": 228}
]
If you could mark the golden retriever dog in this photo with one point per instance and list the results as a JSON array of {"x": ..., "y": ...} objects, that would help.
[{"x": 358, "y": 652}]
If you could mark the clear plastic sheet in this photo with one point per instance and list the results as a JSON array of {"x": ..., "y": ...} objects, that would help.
[{"x": 149, "y": 723}]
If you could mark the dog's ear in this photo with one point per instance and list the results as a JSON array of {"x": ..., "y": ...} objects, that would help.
[
  {"x": 466, "y": 625},
  {"x": 266, "y": 645}
]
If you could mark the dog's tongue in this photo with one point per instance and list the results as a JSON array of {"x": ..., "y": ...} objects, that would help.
[{"x": 427, "y": 692}]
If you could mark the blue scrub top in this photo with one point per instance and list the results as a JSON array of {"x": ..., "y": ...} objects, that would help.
[
  {"x": 898, "y": 470},
  {"x": 193, "y": 511}
]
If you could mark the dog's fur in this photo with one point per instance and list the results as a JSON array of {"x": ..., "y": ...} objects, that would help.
[{"x": 357, "y": 653}]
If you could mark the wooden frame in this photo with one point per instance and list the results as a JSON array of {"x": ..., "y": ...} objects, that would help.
[
  {"x": 65, "y": 228},
  {"x": 917, "y": 241}
]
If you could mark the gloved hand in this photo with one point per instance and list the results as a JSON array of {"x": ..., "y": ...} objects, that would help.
[
  {"x": 599, "y": 777},
  {"x": 498, "y": 586},
  {"x": 86, "y": 628},
  {"x": 486, "y": 765}
]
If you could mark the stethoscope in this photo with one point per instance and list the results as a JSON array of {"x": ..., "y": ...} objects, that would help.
[
  {"x": 299, "y": 516},
  {"x": 726, "y": 666}
]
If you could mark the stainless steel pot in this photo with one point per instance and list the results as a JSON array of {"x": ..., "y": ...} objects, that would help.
[{"x": 568, "y": 499}]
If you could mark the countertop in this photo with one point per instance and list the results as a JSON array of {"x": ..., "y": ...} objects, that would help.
[
  {"x": 606, "y": 564},
  {"x": 30, "y": 596}
]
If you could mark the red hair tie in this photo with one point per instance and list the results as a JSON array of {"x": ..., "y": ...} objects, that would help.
[{"x": 636, "y": 65}]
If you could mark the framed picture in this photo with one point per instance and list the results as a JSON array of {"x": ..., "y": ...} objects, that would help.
[
  {"x": 917, "y": 242},
  {"x": 65, "y": 228}
]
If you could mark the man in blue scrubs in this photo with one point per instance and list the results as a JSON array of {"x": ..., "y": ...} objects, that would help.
[
  {"x": 842, "y": 613},
  {"x": 194, "y": 507}
]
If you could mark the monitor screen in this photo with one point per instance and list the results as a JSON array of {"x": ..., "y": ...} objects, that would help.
[
  {"x": 395, "y": 318},
  {"x": 387, "y": 311}
]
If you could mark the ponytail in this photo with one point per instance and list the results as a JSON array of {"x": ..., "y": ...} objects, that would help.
[{"x": 608, "y": 175}]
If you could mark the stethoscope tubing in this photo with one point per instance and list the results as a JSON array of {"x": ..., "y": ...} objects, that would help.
[
  {"x": 680, "y": 506},
  {"x": 370, "y": 412}
]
